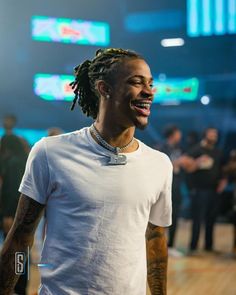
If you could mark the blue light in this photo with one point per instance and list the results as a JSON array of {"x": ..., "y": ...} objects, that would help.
[
  {"x": 31, "y": 135},
  {"x": 192, "y": 18},
  {"x": 211, "y": 17},
  {"x": 219, "y": 17},
  {"x": 154, "y": 20},
  {"x": 232, "y": 16},
  {"x": 207, "y": 17},
  {"x": 46, "y": 265}
]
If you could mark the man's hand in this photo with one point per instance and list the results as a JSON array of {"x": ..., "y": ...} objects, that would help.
[
  {"x": 157, "y": 257},
  {"x": 221, "y": 185},
  {"x": 20, "y": 237},
  {"x": 187, "y": 163}
]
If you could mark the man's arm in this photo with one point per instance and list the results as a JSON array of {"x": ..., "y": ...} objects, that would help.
[
  {"x": 20, "y": 237},
  {"x": 157, "y": 257}
]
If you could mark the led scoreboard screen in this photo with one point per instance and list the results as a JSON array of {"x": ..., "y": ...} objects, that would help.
[
  {"x": 70, "y": 31},
  {"x": 176, "y": 90},
  {"x": 53, "y": 87},
  {"x": 211, "y": 17}
]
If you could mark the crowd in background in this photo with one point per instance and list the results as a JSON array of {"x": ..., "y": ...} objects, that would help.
[
  {"x": 198, "y": 166},
  {"x": 201, "y": 167}
]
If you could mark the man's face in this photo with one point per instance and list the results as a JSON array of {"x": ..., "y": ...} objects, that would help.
[
  {"x": 9, "y": 123},
  {"x": 131, "y": 94},
  {"x": 177, "y": 136},
  {"x": 211, "y": 136}
]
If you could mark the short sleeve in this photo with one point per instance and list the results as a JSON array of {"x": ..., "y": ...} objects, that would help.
[
  {"x": 36, "y": 178},
  {"x": 161, "y": 211}
]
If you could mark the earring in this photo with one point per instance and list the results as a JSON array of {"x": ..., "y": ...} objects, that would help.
[{"x": 107, "y": 96}]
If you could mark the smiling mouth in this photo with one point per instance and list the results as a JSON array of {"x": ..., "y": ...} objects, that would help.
[{"x": 142, "y": 107}]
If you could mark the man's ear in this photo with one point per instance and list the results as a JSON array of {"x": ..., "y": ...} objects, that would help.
[{"x": 103, "y": 88}]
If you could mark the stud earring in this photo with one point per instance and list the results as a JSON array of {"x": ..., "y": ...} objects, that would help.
[{"x": 107, "y": 96}]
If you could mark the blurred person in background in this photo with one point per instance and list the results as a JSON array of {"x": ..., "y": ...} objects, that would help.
[
  {"x": 173, "y": 149},
  {"x": 13, "y": 160},
  {"x": 9, "y": 122},
  {"x": 192, "y": 138},
  {"x": 229, "y": 171},
  {"x": 206, "y": 184},
  {"x": 107, "y": 195},
  {"x": 52, "y": 131}
]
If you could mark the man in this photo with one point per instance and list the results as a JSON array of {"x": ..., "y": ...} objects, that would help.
[
  {"x": 101, "y": 187},
  {"x": 9, "y": 122},
  {"x": 205, "y": 182},
  {"x": 172, "y": 148},
  {"x": 13, "y": 159},
  {"x": 12, "y": 163}
]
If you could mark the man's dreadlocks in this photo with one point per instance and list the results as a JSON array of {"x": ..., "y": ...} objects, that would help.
[{"x": 86, "y": 74}]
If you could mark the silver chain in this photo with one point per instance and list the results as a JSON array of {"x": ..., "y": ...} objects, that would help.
[{"x": 106, "y": 145}]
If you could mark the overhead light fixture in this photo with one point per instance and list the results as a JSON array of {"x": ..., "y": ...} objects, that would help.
[
  {"x": 172, "y": 42},
  {"x": 205, "y": 99}
]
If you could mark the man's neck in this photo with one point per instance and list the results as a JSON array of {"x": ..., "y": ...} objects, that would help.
[
  {"x": 116, "y": 135},
  {"x": 8, "y": 131}
]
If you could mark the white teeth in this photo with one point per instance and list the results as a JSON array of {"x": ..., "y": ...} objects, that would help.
[{"x": 143, "y": 105}]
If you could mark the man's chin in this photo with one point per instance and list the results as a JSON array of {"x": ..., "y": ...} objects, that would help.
[{"x": 141, "y": 124}]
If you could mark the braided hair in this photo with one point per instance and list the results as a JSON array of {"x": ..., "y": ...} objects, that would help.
[{"x": 88, "y": 72}]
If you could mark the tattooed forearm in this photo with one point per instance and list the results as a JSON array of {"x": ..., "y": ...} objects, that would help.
[
  {"x": 19, "y": 238},
  {"x": 156, "y": 259}
]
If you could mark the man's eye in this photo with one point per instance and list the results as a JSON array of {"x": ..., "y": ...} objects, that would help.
[{"x": 137, "y": 82}]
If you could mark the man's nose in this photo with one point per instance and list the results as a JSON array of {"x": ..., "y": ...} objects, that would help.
[{"x": 148, "y": 91}]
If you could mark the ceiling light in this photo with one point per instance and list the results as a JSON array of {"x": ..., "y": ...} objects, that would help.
[
  {"x": 205, "y": 99},
  {"x": 172, "y": 42}
]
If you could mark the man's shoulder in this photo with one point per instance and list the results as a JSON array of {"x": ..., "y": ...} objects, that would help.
[
  {"x": 156, "y": 154},
  {"x": 58, "y": 142},
  {"x": 65, "y": 138}
]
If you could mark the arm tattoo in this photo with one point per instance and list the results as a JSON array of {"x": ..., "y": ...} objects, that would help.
[
  {"x": 19, "y": 238},
  {"x": 157, "y": 257}
]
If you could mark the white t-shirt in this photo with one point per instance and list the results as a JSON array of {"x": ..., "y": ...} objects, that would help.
[{"x": 97, "y": 214}]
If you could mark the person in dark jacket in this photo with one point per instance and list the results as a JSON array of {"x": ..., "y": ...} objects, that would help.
[
  {"x": 205, "y": 187},
  {"x": 12, "y": 166},
  {"x": 172, "y": 148}
]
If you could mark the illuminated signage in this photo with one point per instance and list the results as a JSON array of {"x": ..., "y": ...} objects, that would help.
[
  {"x": 53, "y": 87},
  {"x": 176, "y": 90},
  {"x": 211, "y": 17},
  {"x": 70, "y": 31}
]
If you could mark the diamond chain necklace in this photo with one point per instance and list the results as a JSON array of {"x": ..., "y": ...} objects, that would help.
[{"x": 115, "y": 150}]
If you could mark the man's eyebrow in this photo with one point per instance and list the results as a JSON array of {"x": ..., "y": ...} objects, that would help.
[{"x": 141, "y": 77}]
